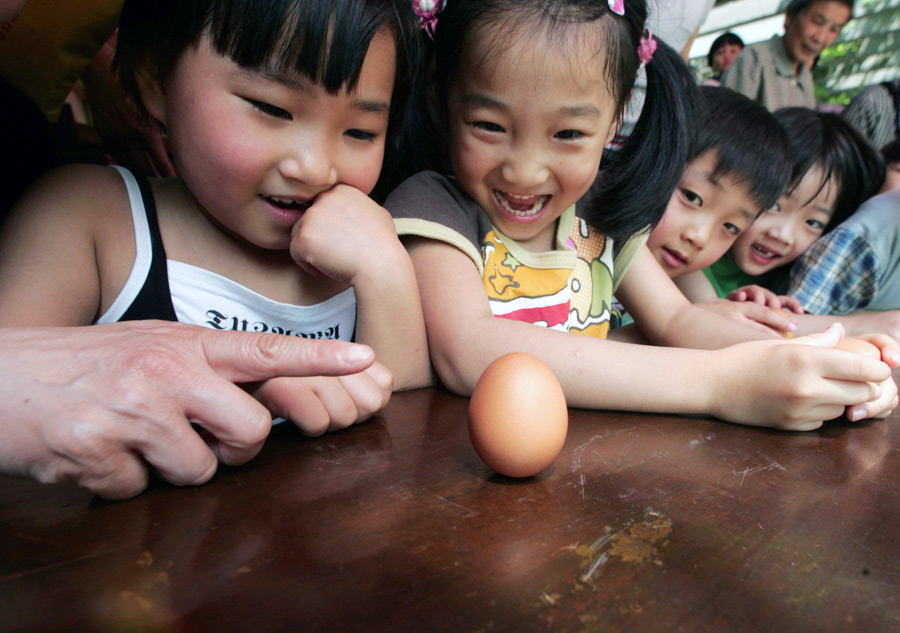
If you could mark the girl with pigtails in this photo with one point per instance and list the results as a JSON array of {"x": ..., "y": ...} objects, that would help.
[{"x": 514, "y": 229}]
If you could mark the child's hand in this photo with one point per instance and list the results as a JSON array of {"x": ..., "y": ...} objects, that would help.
[
  {"x": 753, "y": 315},
  {"x": 344, "y": 234},
  {"x": 323, "y": 403},
  {"x": 765, "y": 297},
  {"x": 882, "y": 406},
  {"x": 796, "y": 385}
]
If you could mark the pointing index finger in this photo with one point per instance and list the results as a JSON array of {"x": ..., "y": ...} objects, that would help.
[{"x": 248, "y": 356}]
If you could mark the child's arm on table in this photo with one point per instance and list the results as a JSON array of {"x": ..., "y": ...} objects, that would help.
[
  {"x": 665, "y": 319},
  {"x": 347, "y": 236},
  {"x": 746, "y": 309},
  {"x": 696, "y": 287},
  {"x": 748, "y": 301},
  {"x": 666, "y": 316},
  {"x": 764, "y": 383}
]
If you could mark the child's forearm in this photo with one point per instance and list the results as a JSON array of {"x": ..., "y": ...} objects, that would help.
[
  {"x": 594, "y": 373},
  {"x": 696, "y": 287},
  {"x": 389, "y": 319},
  {"x": 762, "y": 383}
]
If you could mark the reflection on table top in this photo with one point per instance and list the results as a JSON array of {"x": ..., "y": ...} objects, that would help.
[{"x": 644, "y": 523}]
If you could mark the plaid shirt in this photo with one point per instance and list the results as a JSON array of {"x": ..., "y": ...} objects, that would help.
[{"x": 837, "y": 275}]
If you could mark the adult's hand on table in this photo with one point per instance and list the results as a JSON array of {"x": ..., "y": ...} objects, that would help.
[{"x": 99, "y": 405}]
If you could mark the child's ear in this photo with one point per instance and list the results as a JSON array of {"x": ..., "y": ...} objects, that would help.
[{"x": 153, "y": 96}]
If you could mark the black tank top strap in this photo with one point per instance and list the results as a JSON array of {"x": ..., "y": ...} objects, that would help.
[{"x": 154, "y": 301}]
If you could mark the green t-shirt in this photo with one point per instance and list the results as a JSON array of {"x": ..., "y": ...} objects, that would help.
[{"x": 725, "y": 276}]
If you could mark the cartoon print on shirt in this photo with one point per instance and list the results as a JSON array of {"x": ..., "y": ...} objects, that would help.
[{"x": 563, "y": 298}]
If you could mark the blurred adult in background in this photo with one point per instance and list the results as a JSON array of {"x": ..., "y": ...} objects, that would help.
[
  {"x": 676, "y": 22},
  {"x": 722, "y": 53},
  {"x": 776, "y": 73},
  {"x": 46, "y": 47},
  {"x": 875, "y": 112}
]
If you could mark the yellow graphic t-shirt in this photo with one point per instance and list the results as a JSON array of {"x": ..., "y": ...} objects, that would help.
[{"x": 569, "y": 288}]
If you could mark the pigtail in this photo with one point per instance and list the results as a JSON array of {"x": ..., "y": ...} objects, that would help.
[{"x": 636, "y": 181}]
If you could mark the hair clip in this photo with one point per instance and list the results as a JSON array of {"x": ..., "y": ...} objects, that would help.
[
  {"x": 427, "y": 12},
  {"x": 646, "y": 47},
  {"x": 617, "y": 6}
]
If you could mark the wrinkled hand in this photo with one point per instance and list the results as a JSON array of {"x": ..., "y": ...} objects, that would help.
[
  {"x": 322, "y": 403},
  {"x": 97, "y": 405},
  {"x": 765, "y": 297}
]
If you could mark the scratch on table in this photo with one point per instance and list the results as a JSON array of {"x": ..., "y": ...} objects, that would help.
[
  {"x": 597, "y": 564},
  {"x": 635, "y": 543},
  {"x": 871, "y": 551},
  {"x": 579, "y": 450},
  {"x": 469, "y": 511},
  {"x": 758, "y": 469}
]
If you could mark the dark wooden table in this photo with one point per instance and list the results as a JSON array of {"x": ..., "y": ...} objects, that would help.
[{"x": 644, "y": 523}]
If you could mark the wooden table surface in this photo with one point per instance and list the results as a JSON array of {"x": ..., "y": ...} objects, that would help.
[{"x": 644, "y": 523}]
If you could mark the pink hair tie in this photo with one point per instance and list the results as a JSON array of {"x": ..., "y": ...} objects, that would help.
[
  {"x": 617, "y": 6},
  {"x": 646, "y": 47},
  {"x": 427, "y": 11}
]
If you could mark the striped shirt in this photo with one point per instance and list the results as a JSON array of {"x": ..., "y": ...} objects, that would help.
[
  {"x": 764, "y": 72},
  {"x": 874, "y": 113}
]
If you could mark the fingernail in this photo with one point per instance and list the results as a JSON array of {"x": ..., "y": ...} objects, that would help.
[
  {"x": 877, "y": 392},
  {"x": 857, "y": 414},
  {"x": 792, "y": 326},
  {"x": 356, "y": 354}
]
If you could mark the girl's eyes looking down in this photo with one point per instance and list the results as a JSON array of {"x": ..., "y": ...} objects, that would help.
[
  {"x": 487, "y": 126},
  {"x": 570, "y": 135},
  {"x": 495, "y": 128},
  {"x": 733, "y": 229},
  {"x": 270, "y": 110},
  {"x": 278, "y": 113}
]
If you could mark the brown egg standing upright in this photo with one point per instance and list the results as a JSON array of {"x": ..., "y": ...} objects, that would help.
[{"x": 518, "y": 418}]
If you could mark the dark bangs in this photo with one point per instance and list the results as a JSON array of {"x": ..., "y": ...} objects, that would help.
[
  {"x": 288, "y": 37},
  {"x": 284, "y": 35},
  {"x": 847, "y": 159},
  {"x": 500, "y": 21},
  {"x": 753, "y": 148}
]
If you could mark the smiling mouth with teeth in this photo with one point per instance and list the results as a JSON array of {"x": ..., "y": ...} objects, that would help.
[
  {"x": 764, "y": 252},
  {"x": 521, "y": 206},
  {"x": 285, "y": 203}
]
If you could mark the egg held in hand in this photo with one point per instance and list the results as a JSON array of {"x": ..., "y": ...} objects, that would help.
[
  {"x": 859, "y": 346},
  {"x": 518, "y": 417},
  {"x": 784, "y": 333}
]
